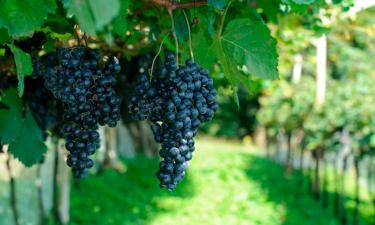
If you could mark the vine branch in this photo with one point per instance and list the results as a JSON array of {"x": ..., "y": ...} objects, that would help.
[{"x": 171, "y": 5}]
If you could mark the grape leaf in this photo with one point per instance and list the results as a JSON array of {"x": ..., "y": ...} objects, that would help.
[
  {"x": 21, "y": 133},
  {"x": 23, "y": 17},
  {"x": 4, "y": 36},
  {"x": 93, "y": 15},
  {"x": 58, "y": 24},
  {"x": 203, "y": 53},
  {"x": 119, "y": 24},
  {"x": 10, "y": 119},
  {"x": 28, "y": 146},
  {"x": 298, "y": 7},
  {"x": 249, "y": 43},
  {"x": 181, "y": 27},
  {"x": 230, "y": 67},
  {"x": 271, "y": 8},
  {"x": 219, "y": 4},
  {"x": 23, "y": 65}
]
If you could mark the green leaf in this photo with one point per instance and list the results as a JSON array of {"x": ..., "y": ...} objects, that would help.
[
  {"x": 297, "y": 7},
  {"x": 249, "y": 43},
  {"x": 181, "y": 27},
  {"x": 22, "y": 17},
  {"x": 219, "y": 4},
  {"x": 271, "y": 8},
  {"x": 23, "y": 65},
  {"x": 236, "y": 99},
  {"x": 50, "y": 44},
  {"x": 119, "y": 24},
  {"x": 59, "y": 24},
  {"x": 93, "y": 15},
  {"x": 230, "y": 68},
  {"x": 10, "y": 119},
  {"x": 4, "y": 36},
  {"x": 21, "y": 133},
  {"x": 303, "y": 2},
  {"x": 204, "y": 54},
  {"x": 28, "y": 145}
]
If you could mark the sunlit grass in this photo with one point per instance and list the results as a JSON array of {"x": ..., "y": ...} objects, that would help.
[{"x": 227, "y": 183}]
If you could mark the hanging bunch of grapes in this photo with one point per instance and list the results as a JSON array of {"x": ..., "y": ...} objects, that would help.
[
  {"x": 176, "y": 100},
  {"x": 86, "y": 88}
]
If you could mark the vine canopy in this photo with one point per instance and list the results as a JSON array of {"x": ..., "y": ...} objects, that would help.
[{"x": 227, "y": 37}]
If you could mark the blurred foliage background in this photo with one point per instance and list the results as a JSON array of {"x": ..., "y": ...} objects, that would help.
[{"x": 271, "y": 156}]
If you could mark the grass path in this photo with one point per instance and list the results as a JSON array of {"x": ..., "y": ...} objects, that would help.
[{"x": 226, "y": 184}]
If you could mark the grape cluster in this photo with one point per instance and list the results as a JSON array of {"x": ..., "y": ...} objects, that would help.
[
  {"x": 126, "y": 80},
  {"x": 75, "y": 76},
  {"x": 45, "y": 109},
  {"x": 176, "y": 100}
]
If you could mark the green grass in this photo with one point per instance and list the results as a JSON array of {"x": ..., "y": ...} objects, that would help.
[{"x": 226, "y": 184}]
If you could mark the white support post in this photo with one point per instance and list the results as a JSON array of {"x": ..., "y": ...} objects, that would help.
[
  {"x": 321, "y": 69},
  {"x": 297, "y": 68}
]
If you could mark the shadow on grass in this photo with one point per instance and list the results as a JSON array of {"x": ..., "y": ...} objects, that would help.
[
  {"x": 365, "y": 216},
  {"x": 294, "y": 200},
  {"x": 345, "y": 209},
  {"x": 124, "y": 198}
]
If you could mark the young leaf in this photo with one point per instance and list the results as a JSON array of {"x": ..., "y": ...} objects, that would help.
[
  {"x": 28, "y": 145},
  {"x": 23, "y": 17},
  {"x": 23, "y": 65},
  {"x": 93, "y": 15}
]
